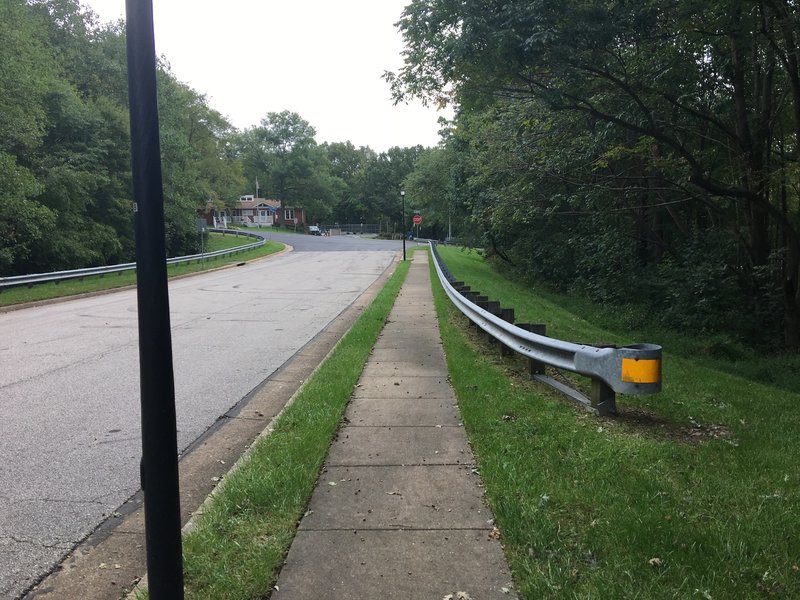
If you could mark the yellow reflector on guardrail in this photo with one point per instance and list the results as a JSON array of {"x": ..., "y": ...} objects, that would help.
[{"x": 641, "y": 371}]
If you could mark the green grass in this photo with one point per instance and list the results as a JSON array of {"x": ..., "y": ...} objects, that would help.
[
  {"x": 634, "y": 323},
  {"x": 690, "y": 493},
  {"x": 238, "y": 545},
  {"x": 72, "y": 287},
  {"x": 220, "y": 241}
]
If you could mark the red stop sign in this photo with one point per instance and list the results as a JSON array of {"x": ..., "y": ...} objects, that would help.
[{"x": 417, "y": 219}]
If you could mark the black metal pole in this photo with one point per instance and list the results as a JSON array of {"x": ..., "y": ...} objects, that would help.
[
  {"x": 159, "y": 434},
  {"x": 403, "y": 196}
]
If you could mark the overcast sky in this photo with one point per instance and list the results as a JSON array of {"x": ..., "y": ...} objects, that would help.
[{"x": 322, "y": 59}]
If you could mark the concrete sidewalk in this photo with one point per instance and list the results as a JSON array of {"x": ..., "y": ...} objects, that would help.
[{"x": 398, "y": 511}]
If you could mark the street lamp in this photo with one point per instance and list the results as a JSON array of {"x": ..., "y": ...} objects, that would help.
[{"x": 403, "y": 227}]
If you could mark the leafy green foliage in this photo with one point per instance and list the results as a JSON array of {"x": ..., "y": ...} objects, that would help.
[
  {"x": 618, "y": 146},
  {"x": 22, "y": 221},
  {"x": 66, "y": 200},
  {"x": 384, "y": 178},
  {"x": 196, "y": 167},
  {"x": 283, "y": 156},
  {"x": 64, "y": 143}
]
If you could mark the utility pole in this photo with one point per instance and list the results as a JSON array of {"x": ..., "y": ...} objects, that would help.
[
  {"x": 403, "y": 228},
  {"x": 159, "y": 468},
  {"x": 449, "y": 227}
]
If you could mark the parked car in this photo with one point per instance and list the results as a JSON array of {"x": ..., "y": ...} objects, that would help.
[{"x": 314, "y": 230}]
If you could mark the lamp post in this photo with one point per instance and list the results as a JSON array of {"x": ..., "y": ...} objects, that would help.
[
  {"x": 403, "y": 227},
  {"x": 159, "y": 467}
]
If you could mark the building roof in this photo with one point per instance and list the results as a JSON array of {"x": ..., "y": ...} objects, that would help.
[{"x": 260, "y": 203}]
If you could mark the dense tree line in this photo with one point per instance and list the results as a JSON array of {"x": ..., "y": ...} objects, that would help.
[
  {"x": 65, "y": 192},
  {"x": 641, "y": 152},
  {"x": 335, "y": 182},
  {"x": 65, "y": 189}
]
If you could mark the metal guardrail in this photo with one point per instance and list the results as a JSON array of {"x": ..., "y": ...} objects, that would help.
[
  {"x": 633, "y": 369},
  {"x": 6, "y": 282}
]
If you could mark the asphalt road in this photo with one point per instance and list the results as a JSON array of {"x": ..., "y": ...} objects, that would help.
[
  {"x": 69, "y": 390},
  {"x": 306, "y": 243}
]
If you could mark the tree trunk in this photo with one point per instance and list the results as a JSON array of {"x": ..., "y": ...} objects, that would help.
[{"x": 791, "y": 294}]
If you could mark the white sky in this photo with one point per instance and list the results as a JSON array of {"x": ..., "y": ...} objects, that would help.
[{"x": 322, "y": 59}]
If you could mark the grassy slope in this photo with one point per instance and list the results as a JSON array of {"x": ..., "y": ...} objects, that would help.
[
  {"x": 71, "y": 287},
  {"x": 693, "y": 492}
]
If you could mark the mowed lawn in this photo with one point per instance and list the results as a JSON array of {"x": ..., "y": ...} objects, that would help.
[
  {"x": 690, "y": 493},
  {"x": 71, "y": 287}
]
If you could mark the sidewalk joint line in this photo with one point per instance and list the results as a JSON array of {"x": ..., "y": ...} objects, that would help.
[
  {"x": 369, "y": 529},
  {"x": 329, "y": 465}
]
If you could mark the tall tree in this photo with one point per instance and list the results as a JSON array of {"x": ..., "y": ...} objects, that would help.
[
  {"x": 197, "y": 166},
  {"x": 282, "y": 154},
  {"x": 347, "y": 164},
  {"x": 697, "y": 85},
  {"x": 434, "y": 187},
  {"x": 383, "y": 180},
  {"x": 26, "y": 75}
]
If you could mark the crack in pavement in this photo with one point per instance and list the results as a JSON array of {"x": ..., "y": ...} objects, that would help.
[
  {"x": 96, "y": 501},
  {"x": 53, "y": 546}
]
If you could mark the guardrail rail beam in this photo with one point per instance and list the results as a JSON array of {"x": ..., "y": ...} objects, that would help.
[{"x": 634, "y": 369}]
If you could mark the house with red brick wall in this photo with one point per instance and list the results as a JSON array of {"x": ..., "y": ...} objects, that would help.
[{"x": 291, "y": 217}]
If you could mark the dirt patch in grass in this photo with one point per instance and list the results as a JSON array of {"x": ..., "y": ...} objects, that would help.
[
  {"x": 648, "y": 423},
  {"x": 631, "y": 419}
]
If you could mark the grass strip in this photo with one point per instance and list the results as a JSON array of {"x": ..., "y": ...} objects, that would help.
[
  {"x": 586, "y": 321},
  {"x": 95, "y": 283},
  {"x": 691, "y": 493},
  {"x": 238, "y": 545}
]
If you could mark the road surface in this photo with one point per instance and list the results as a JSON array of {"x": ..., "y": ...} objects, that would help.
[{"x": 69, "y": 390}]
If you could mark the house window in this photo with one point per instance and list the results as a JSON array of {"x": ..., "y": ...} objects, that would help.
[{"x": 288, "y": 214}]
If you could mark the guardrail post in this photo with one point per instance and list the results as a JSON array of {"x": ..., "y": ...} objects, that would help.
[
  {"x": 535, "y": 367},
  {"x": 603, "y": 398},
  {"x": 471, "y": 296},
  {"x": 481, "y": 302},
  {"x": 507, "y": 314},
  {"x": 493, "y": 307}
]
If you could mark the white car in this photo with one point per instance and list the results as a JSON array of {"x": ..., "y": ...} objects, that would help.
[{"x": 314, "y": 230}]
